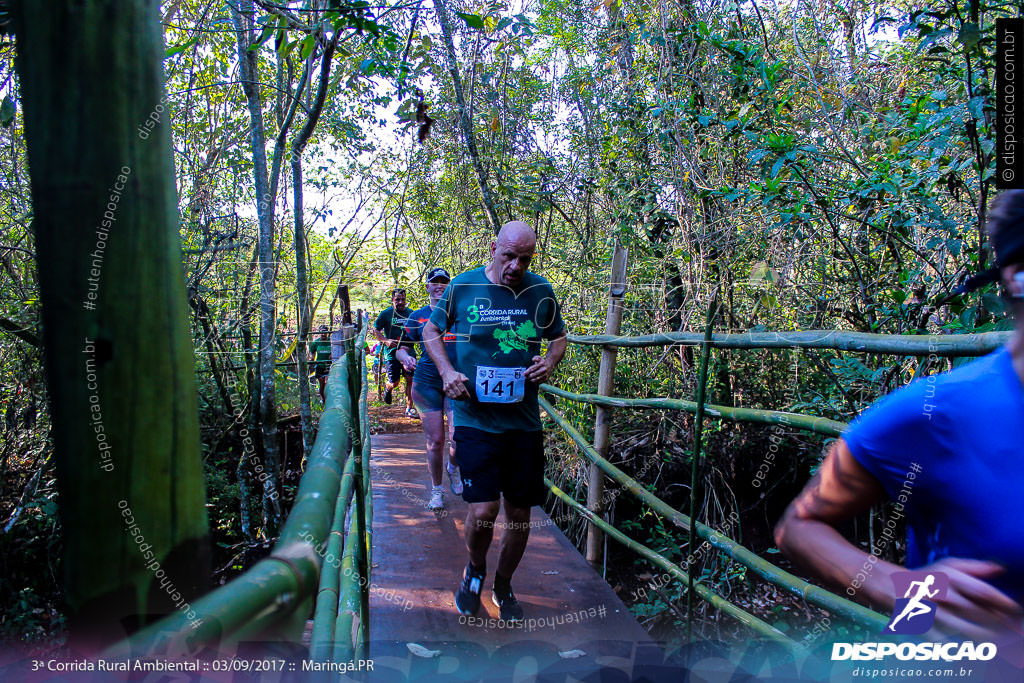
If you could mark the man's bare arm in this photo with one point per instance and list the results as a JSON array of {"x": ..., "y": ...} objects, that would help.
[
  {"x": 390, "y": 343},
  {"x": 454, "y": 381},
  {"x": 841, "y": 489},
  {"x": 407, "y": 360}
]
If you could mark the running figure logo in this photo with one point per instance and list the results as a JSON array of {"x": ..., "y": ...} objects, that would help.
[{"x": 914, "y": 613}]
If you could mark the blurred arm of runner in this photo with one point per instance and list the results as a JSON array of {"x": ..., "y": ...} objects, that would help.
[
  {"x": 841, "y": 489},
  {"x": 454, "y": 381},
  {"x": 390, "y": 343},
  {"x": 406, "y": 359},
  {"x": 544, "y": 366}
]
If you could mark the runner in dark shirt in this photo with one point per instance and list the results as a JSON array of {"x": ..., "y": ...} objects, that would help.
[
  {"x": 320, "y": 356},
  {"x": 499, "y": 315},
  {"x": 389, "y": 329}
]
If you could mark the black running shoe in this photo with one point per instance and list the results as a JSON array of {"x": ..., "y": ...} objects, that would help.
[
  {"x": 508, "y": 607},
  {"x": 467, "y": 599}
]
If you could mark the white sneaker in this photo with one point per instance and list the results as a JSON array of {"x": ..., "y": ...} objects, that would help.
[
  {"x": 455, "y": 479},
  {"x": 436, "y": 499}
]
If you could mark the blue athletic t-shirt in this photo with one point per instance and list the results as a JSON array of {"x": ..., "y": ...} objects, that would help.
[
  {"x": 950, "y": 448},
  {"x": 426, "y": 371}
]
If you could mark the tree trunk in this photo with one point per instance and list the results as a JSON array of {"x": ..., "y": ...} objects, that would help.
[
  {"x": 242, "y": 16},
  {"x": 301, "y": 272},
  {"x": 119, "y": 361},
  {"x": 464, "y": 120}
]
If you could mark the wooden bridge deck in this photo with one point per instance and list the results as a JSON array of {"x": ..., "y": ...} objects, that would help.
[{"x": 418, "y": 558}]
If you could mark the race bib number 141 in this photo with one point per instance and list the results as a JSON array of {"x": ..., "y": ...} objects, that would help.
[{"x": 499, "y": 385}]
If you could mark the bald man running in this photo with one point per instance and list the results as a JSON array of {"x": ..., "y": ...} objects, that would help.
[{"x": 498, "y": 313}]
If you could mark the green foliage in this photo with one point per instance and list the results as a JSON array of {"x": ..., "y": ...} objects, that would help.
[{"x": 825, "y": 169}]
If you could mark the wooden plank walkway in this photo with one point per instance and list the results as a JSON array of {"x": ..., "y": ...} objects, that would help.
[{"x": 418, "y": 558}]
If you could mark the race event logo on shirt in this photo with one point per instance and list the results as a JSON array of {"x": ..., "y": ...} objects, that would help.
[{"x": 914, "y": 610}]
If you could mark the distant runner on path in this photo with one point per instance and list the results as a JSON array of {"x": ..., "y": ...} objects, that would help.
[
  {"x": 428, "y": 394},
  {"x": 498, "y": 314},
  {"x": 320, "y": 355},
  {"x": 389, "y": 329}
]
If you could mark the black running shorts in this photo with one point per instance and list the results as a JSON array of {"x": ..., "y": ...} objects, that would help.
[
  {"x": 510, "y": 463},
  {"x": 395, "y": 371}
]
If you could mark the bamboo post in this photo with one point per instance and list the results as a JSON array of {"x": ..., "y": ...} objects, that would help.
[
  {"x": 698, "y": 432},
  {"x": 120, "y": 368},
  {"x": 605, "y": 387},
  {"x": 346, "y": 307}
]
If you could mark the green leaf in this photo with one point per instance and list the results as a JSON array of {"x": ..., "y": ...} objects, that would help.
[
  {"x": 7, "y": 112},
  {"x": 176, "y": 49},
  {"x": 969, "y": 35},
  {"x": 472, "y": 20},
  {"x": 994, "y": 303},
  {"x": 759, "y": 271},
  {"x": 307, "y": 47}
]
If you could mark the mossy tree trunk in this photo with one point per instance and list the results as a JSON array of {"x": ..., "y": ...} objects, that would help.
[
  {"x": 301, "y": 258},
  {"x": 465, "y": 121},
  {"x": 266, "y": 195},
  {"x": 119, "y": 363}
]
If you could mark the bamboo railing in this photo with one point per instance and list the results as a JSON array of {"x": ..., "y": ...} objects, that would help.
[
  {"x": 904, "y": 345},
  {"x": 808, "y": 423},
  {"x": 943, "y": 345},
  {"x": 329, "y": 518},
  {"x": 676, "y": 571},
  {"x": 781, "y": 578}
]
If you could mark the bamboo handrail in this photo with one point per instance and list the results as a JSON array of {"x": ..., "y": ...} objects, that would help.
[
  {"x": 676, "y": 571},
  {"x": 809, "y": 423},
  {"x": 944, "y": 345},
  {"x": 795, "y": 585},
  {"x": 325, "y": 613},
  {"x": 268, "y": 594},
  {"x": 347, "y": 629}
]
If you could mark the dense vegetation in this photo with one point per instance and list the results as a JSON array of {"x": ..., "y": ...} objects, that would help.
[{"x": 817, "y": 165}]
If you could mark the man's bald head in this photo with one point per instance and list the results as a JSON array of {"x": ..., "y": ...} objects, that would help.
[
  {"x": 511, "y": 253},
  {"x": 515, "y": 232}
]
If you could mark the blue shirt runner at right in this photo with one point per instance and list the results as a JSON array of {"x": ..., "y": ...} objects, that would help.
[
  {"x": 949, "y": 448},
  {"x": 497, "y": 332}
]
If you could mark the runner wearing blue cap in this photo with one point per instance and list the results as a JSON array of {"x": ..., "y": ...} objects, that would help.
[{"x": 428, "y": 394}]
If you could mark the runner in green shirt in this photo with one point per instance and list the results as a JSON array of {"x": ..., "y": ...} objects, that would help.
[
  {"x": 498, "y": 314},
  {"x": 389, "y": 329},
  {"x": 320, "y": 356}
]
